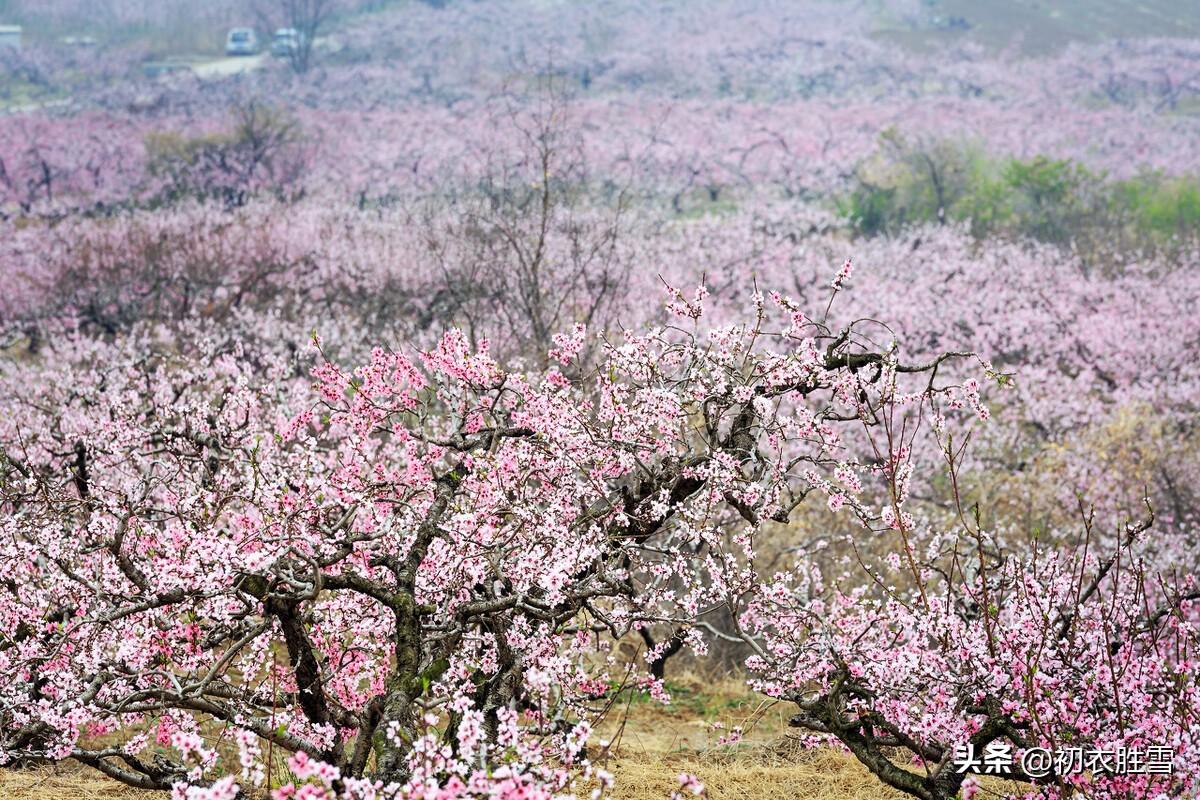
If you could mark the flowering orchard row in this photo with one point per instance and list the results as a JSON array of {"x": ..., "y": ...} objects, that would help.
[
  {"x": 53, "y": 164},
  {"x": 1102, "y": 357}
]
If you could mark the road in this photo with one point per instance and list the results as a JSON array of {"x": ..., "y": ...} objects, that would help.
[{"x": 223, "y": 67}]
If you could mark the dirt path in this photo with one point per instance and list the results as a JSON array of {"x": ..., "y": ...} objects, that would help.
[{"x": 233, "y": 65}]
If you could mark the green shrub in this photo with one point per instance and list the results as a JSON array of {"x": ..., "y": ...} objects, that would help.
[
  {"x": 1052, "y": 200},
  {"x": 1162, "y": 206}
]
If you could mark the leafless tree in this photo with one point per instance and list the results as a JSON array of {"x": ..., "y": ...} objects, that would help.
[{"x": 306, "y": 17}]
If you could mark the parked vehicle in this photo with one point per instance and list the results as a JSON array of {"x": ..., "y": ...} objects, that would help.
[
  {"x": 241, "y": 42},
  {"x": 286, "y": 41}
]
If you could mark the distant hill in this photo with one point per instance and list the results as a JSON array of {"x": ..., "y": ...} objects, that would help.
[{"x": 1037, "y": 26}]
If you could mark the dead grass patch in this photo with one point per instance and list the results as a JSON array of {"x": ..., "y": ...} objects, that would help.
[
  {"x": 651, "y": 745},
  {"x": 66, "y": 782},
  {"x": 753, "y": 775}
]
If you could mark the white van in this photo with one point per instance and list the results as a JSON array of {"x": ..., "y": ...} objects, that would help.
[
  {"x": 286, "y": 42},
  {"x": 241, "y": 42}
]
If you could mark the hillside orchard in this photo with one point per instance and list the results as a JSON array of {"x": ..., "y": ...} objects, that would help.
[{"x": 358, "y": 426}]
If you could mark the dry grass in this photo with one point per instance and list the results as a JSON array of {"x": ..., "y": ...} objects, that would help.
[
  {"x": 66, "y": 782},
  {"x": 651, "y": 745},
  {"x": 821, "y": 775},
  {"x": 814, "y": 775}
]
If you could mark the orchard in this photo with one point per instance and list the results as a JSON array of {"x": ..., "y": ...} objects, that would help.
[{"x": 409, "y": 418}]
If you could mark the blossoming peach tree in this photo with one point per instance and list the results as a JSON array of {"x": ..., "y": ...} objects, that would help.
[
  {"x": 1068, "y": 668},
  {"x": 408, "y": 575}
]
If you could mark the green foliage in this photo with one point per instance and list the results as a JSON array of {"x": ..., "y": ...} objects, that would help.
[
  {"x": 871, "y": 209},
  {"x": 904, "y": 185},
  {"x": 1050, "y": 200},
  {"x": 1165, "y": 207}
]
